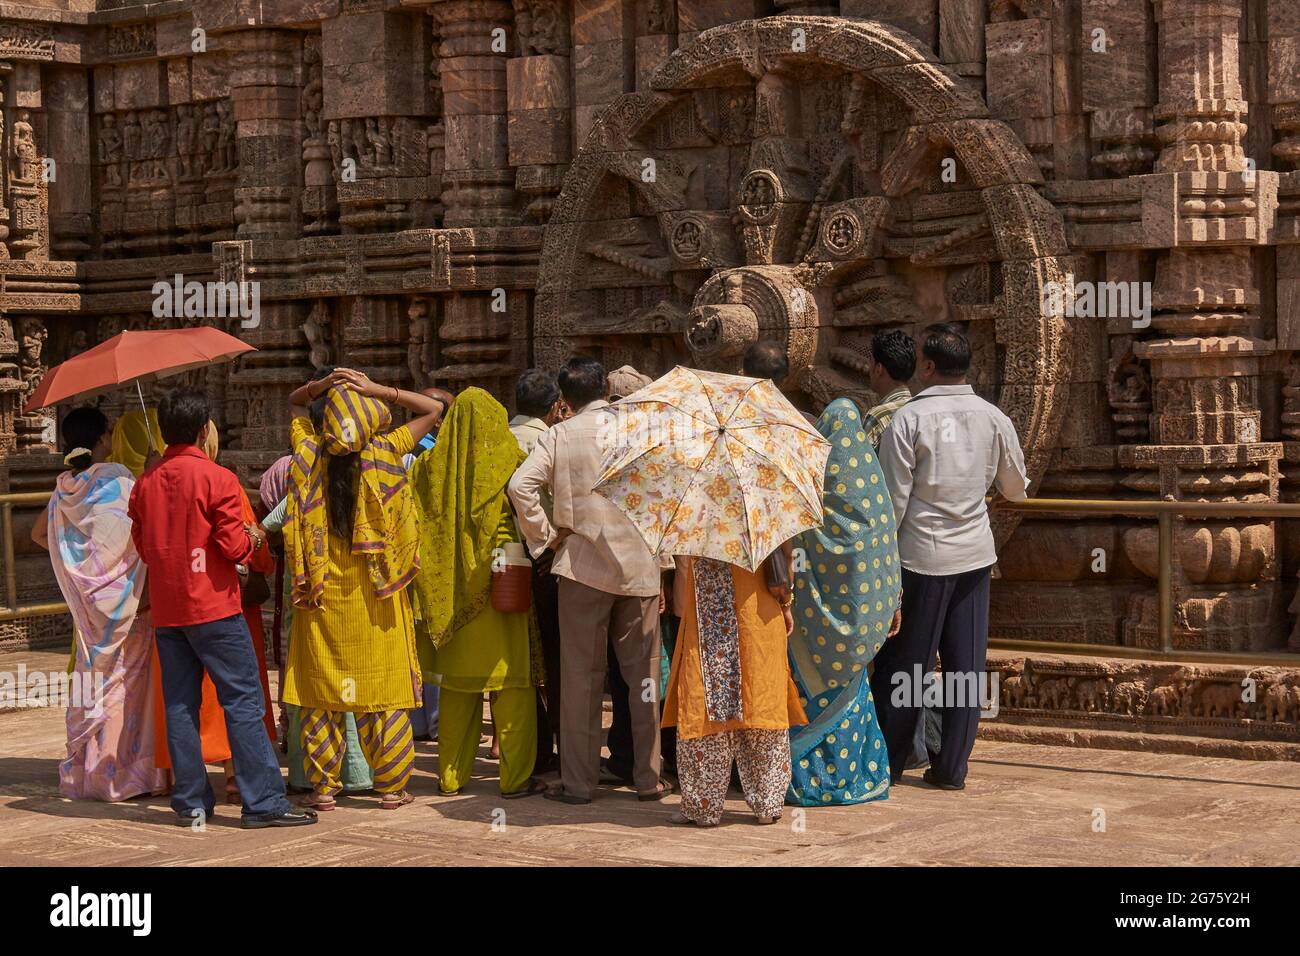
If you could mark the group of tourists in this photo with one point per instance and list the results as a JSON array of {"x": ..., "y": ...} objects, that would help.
[{"x": 388, "y": 549}]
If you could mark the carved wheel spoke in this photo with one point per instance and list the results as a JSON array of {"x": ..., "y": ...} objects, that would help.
[{"x": 810, "y": 198}]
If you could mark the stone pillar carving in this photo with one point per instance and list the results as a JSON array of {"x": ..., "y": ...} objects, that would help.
[
  {"x": 435, "y": 135},
  {"x": 28, "y": 197},
  {"x": 1117, "y": 47},
  {"x": 474, "y": 345},
  {"x": 68, "y": 110},
  {"x": 539, "y": 103},
  {"x": 319, "y": 197},
  {"x": 1201, "y": 110},
  {"x": 961, "y": 35},
  {"x": 1019, "y": 79},
  {"x": 377, "y": 109},
  {"x": 6, "y": 69},
  {"x": 267, "y": 148},
  {"x": 1284, "y": 78},
  {"x": 373, "y": 337},
  {"x": 478, "y": 183},
  {"x": 258, "y": 385},
  {"x": 1205, "y": 424},
  {"x": 35, "y": 431},
  {"x": 11, "y": 387}
]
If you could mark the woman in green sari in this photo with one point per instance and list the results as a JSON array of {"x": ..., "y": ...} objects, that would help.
[
  {"x": 467, "y": 647},
  {"x": 847, "y": 586}
]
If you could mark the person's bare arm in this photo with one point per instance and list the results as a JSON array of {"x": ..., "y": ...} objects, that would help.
[
  {"x": 41, "y": 529},
  {"x": 428, "y": 410},
  {"x": 785, "y": 592},
  {"x": 305, "y": 394}
]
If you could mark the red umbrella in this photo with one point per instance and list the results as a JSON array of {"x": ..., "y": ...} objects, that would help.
[{"x": 135, "y": 357}]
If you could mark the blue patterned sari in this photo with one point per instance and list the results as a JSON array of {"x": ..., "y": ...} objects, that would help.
[{"x": 847, "y": 585}]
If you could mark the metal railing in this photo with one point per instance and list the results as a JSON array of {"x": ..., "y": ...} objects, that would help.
[
  {"x": 12, "y": 611},
  {"x": 1164, "y": 512}
]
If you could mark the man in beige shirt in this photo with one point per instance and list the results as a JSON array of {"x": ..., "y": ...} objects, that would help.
[{"x": 609, "y": 588}]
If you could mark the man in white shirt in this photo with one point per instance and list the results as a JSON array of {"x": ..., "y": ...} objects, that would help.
[
  {"x": 941, "y": 453},
  {"x": 609, "y": 588}
]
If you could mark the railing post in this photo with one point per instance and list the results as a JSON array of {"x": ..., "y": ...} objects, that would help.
[
  {"x": 11, "y": 574},
  {"x": 1165, "y": 555}
]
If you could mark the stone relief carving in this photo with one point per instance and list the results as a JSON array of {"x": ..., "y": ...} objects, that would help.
[{"x": 870, "y": 179}]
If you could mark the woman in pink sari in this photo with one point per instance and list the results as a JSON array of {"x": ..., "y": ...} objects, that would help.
[{"x": 88, "y": 534}]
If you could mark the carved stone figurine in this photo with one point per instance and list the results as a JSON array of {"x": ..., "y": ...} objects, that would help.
[
  {"x": 32, "y": 334},
  {"x": 27, "y": 158},
  {"x": 418, "y": 317},
  {"x": 226, "y": 136},
  {"x": 110, "y": 151},
  {"x": 211, "y": 136},
  {"x": 314, "y": 329},
  {"x": 379, "y": 142},
  {"x": 312, "y": 101},
  {"x": 187, "y": 136}
]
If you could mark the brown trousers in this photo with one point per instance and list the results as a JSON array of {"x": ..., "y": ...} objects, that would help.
[{"x": 590, "y": 621}]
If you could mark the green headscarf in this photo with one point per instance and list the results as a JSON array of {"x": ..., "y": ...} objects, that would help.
[
  {"x": 851, "y": 582},
  {"x": 460, "y": 493}
]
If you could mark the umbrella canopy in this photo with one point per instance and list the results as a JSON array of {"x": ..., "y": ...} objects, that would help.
[
  {"x": 134, "y": 357},
  {"x": 714, "y": 465}
]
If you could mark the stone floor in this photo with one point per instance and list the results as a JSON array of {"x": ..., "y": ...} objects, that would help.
[{"x": 1024, "y": 804}]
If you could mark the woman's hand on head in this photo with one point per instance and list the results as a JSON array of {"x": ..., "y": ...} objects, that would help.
[{"x": 361, "y": 383}]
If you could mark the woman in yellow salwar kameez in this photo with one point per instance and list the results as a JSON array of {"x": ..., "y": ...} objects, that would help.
[
  {"x": 351, "y": 546},
  {"x": 465, "y": 521},
  {"x": 730, "y": 694}
]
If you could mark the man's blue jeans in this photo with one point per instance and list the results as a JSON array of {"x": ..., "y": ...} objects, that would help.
[
  {"x": 424, "y": 719},
  {"x": 225, "y": 649}
]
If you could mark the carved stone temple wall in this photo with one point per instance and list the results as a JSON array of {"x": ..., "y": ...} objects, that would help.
[{"x": 445, "y": 192}]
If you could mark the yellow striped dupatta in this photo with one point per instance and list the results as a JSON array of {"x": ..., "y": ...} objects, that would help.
[{"x": 384, "y": 527}]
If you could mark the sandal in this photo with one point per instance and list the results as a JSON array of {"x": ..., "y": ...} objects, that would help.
[
  {"x": 534, "y": 787},
  {"x": 659, "y": 793},
  {"x": 392, "y": 801},
  {"x": 563, "y": 796},
  {"x": 319, "y": 802},
  {"x": 682, "y": 820}
]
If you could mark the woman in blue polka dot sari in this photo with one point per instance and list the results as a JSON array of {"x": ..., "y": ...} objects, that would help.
[{"x": 847, "y": 586}]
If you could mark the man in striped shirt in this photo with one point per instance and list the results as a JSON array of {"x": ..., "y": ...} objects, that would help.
[{"x": 893, "y": 363}]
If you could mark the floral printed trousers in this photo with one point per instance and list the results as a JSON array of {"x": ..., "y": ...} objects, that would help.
[{"x": 704, "y": 771}]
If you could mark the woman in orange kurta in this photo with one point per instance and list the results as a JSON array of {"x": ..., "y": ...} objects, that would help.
[
  {"x": 212, "y": 724},
  {"x": 730, "y": 693},
  {"x": 262, "y": 563}
]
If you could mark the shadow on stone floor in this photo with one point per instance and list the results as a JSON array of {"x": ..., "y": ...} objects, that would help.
[
  {"x": 29, "y": 776},
  {"x": 1135, "y": 773},
  {"x": 616, "y": 807},
  {"x": 147, "y": 810}
]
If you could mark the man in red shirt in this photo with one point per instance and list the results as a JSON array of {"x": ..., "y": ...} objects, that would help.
[{"x": 187, "y": 525}]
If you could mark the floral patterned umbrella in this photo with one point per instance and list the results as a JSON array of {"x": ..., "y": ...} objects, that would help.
[{"x": 714, "y": 465}]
